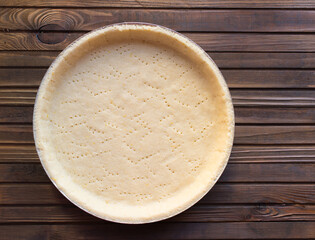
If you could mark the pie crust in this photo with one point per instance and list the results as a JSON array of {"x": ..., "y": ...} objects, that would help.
[{"x": 133, "y": 123}]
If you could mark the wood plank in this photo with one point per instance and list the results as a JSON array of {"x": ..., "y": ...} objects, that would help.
[
  {"x": 250, "y": 135},
  {"x": 240, "y": 154},
  {"x": 201, "y": 213},
  {"x": 21, "y": 77},
  {"x": 273, "y": 135},
  {"x": 31, "y": 41},
  {"x": 234, "y": 173},
  {"x": 213, "y": 42},
  {"x": 260, "y": 193},
  {"x": 239, "y": 60},
  {"x": 10, "y": 114},
  {"x": 243, "y": 115},
  {"x": 261, "y": 60},
  {"x": 57, "y": 214},
  {"x": 218, "y": 213},
  {"x": 16, "y": 134},
  {"x": 272, "y": 154},
  {"x": 22, "y": 173},
  {"x": 18, "y": 154},
  {"x": 27, "y": 58},
  {"x": 252, "y": 230},
  {"x": 24, "y": 96},
  {"x": 259, "y": 98},
  {"x": 46, "y": 193},
  {"x": 179, "y": 20},
  {"x": 30, "y": 194},
  {"x": 294, "y": 4},
  {"x": 275, "y": 115},
  {"x": 270, "y": 78},
  {"x": 272, "y": 173},
  {"x": 281, "y": 79},
  {"x": 241, "y": 98}
]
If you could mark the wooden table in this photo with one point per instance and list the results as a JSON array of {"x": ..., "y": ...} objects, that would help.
[{"x": 266, "y": 51}]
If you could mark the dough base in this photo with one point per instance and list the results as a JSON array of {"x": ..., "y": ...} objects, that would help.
[{"x": 133, "y": 123}]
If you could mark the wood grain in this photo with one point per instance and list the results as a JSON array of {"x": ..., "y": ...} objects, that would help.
[
  {"x": 18, "y": 96},
  {"x": 212, "y": 42},
  {"x": 262, "y": 60},
  {"x": 260, "y": 193},
  {"x": 280, "y": 79},
  {"x": 266, "y": 51},
  {"x": 27, "y": 58},
  {"x": 234, "y": 173},
  {"x": 274, "y": 115},
  {"x": 270, "y": 78},
  {"x": 16, "y": 134},
  {"x": 10, "y": 114},
  {"x": 271, "y": 173},
  {"x": 273, "y": 135},
  {"x": 240, "y": 154},
  {"x": 253, "y": 230},
  {"x": 179, "y": 20},
  {"x": 201, "y": 213},
  {"x": 294, "y": 4},
  {"x": 243, "y": 193},
  {"x": 18, "y": 154},
  {"x": 250, "y": 135},
  {"x": 30, "y": 194},
  {"x": 22, "y": 173},
  {"x": 270, "y": 97},
  {"x": 230, "y": 213},
  {"x": 272, "y": 154},
  {"x": 237, "y": 60},
  {"x": 19, "y": 77},
  {"x": 241, "y": 98},
  {"x": 31, "y": 41}
]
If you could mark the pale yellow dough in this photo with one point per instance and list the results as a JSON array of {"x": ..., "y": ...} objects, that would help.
[{"x": 133, "y": 123}]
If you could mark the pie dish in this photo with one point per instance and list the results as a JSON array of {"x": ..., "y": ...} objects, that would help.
[{"x": 133, "y": 123}]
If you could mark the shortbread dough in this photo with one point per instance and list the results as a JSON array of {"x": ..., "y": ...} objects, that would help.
[{"x": 133, "y": 123}]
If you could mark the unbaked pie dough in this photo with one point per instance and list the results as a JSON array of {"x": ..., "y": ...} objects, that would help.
[{"x": 133, "y": 123}]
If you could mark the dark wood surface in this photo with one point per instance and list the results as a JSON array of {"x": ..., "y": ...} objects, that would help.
[{"x": 266, "y": 51}]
